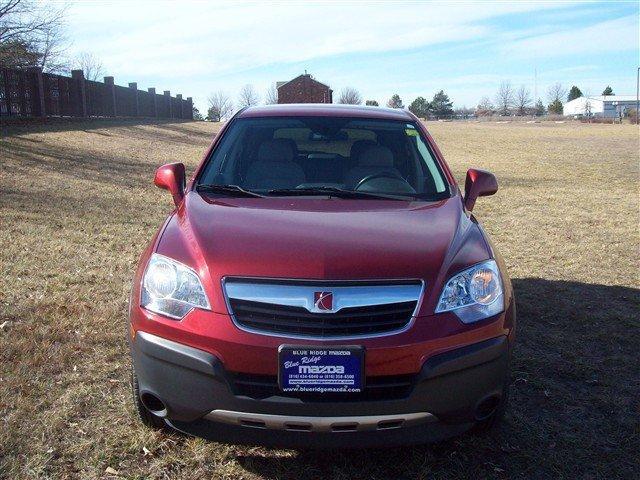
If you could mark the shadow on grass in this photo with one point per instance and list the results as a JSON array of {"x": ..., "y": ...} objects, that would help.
[
  {"x": 79, "y": 164},
  {"x": 37, "y": 125},
  {"x": 574, "y": 385}
]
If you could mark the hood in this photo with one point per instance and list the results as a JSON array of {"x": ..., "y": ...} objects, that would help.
[{"x": 322, "y": 239}]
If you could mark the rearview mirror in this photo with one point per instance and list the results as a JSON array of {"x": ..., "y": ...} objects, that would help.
[
  {"x": 479, "y": 183},
  {"x": 171, "y": 177}
]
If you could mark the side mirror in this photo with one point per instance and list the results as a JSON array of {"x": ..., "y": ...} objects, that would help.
[
  {"x": 479, "y": 183},
  {"x": 171, "y": 177}
]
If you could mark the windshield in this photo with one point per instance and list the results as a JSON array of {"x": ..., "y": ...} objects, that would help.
[{"x": 325, "y": 156}]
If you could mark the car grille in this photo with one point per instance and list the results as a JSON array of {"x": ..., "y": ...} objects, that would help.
[
  {"x": 392, "y": 387},
  {"x": 290, "y": 320}
]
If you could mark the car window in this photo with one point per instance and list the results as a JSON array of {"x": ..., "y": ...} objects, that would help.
[{"x": 364, "y": 155}]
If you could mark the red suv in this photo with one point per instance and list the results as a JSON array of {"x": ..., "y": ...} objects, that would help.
[{"x": 321, "y": 282}]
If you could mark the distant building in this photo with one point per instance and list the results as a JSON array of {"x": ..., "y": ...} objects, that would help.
[
  {"x": 607, "y": 106},
  {"x": 304, "y": 89}
]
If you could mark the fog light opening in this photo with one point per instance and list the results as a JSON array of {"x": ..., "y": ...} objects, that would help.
[
  {"x": 154, "y": 404},
  {"x": 487, "y": 407}
]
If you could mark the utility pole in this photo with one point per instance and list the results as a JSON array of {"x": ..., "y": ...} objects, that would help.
[
  {"x": 535, "y": 87},
  {"x": 535, "y": 84}
]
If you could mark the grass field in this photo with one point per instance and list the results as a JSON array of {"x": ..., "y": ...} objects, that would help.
[{"x": 77, "y": 206}]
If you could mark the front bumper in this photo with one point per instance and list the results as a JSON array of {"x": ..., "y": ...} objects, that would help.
[{"x": 202, "y": 399}]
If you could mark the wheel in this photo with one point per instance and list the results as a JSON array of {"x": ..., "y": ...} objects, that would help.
[
  {"x": 491, "y": 422},
  {"x": 148, "y": 418}
]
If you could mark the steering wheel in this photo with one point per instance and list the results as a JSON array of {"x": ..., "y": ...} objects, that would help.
[{"x": 374, "y": 176}]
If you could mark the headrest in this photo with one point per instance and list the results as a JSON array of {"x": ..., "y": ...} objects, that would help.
[
  {"x": 358, "y": 146},
  {"x": 376, "y": 156},
  {"x": 277, "y": 150}
]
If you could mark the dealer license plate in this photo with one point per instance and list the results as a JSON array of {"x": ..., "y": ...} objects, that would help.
[{"x": 321, "y": 369}]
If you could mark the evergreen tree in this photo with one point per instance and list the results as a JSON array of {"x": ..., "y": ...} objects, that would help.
[
  {"x": 540, "y": 110},
  {"x": 196, "y": 114},
  {"x": 441, "y": 106},
  {"x": 419, "y": 107},
  {"x": 574, "y": 93},
  {"x": 372, "y": 103},
  {"x": 608, "y": 91},
  {"x": 395, "y": 101},
  {"x": 556, "y": 107}
]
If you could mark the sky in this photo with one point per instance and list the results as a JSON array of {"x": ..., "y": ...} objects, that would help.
[{"x": 380, "y": 48}]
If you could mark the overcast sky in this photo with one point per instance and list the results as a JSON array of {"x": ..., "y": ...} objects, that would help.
[{"x": 411, "y": 48}]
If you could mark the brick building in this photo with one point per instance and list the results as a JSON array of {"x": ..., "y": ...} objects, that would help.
[{"x": 304, "y": 89}]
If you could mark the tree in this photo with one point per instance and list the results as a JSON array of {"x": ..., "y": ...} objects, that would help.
[
  {"x": 504, "y": 98},
  {"x": 248, "y": 96},
  {"x": 220, "y": 106},
  {"x": 556, "y": 107},
  {"x": 555, "y": 95},
  {"x": 608, "y": 91},
  {"x": 485, "y": 108},
  {"x": 271, "y": 97},
  {"x": 350, "y": 96},
  {"x": 31, "y": 35},
  {"x": 196, "y": 113},
  {"x": 420, "y": 107},
  {"x": 441, "y": 106},
  {"x": 372, "y": 103},
  {"x": 574, "y": 93},
  {"x": 395, "y": 101},
  {"x": 90, "y": 65},
  {"x": 522, "y": 100},
  {"x": 463, "y": 112},
  {"x": 587, "y": 108},
  {"x": 539, "y": 108}
]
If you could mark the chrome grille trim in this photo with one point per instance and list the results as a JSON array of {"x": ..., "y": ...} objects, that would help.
[{"x": 300, "y": 294}]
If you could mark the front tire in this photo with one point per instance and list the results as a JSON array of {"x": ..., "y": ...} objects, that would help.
[{"x": 146, "y": 417}]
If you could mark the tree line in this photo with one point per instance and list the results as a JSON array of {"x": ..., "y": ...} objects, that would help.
[
  {"x": 511, "y": 101},
  {"x": 221, "y": 105},
  {"x": 508, "y": 101},
  {"x": 440, "y": 105}
]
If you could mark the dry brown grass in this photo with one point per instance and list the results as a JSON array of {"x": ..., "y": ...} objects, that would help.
[{"x": 78, "y": 205}]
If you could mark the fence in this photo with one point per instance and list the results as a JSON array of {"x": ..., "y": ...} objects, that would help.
[{"x": 31, "y": 93}]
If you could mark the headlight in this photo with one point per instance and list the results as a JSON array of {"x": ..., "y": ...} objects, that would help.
[
  {"x": 171, "y": 288},
  {"x": 474, "y": 294}
]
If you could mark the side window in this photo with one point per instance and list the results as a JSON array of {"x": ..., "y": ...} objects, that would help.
[{"x": 431, "y": 164}]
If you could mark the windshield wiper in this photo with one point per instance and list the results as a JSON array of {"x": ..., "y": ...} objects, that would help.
[
  {"x": 233, "y": 190},
  {"x": 336, "y": 192}
]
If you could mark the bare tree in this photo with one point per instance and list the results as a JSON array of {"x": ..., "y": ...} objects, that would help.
[
  {"x": 350, "y": 96},
  {"x": 271, "y": 96},
  {"x": 90, "y": 65},
  {"x": 556, "y": 92},
  {"x": 485, "y": 108},
  {"x": 555, "y": 95},
  {"x": 504, "y": 98},
  {"x": 588, "y": 106},
  {"x": 248, "y": 96},
  {"x": 220, "y": 106},
  {"x": 32, "y": 34},
  {"x": 523, "y": 100}
]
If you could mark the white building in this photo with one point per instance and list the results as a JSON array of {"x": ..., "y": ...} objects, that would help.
[{"x": 610, "y": 106}]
